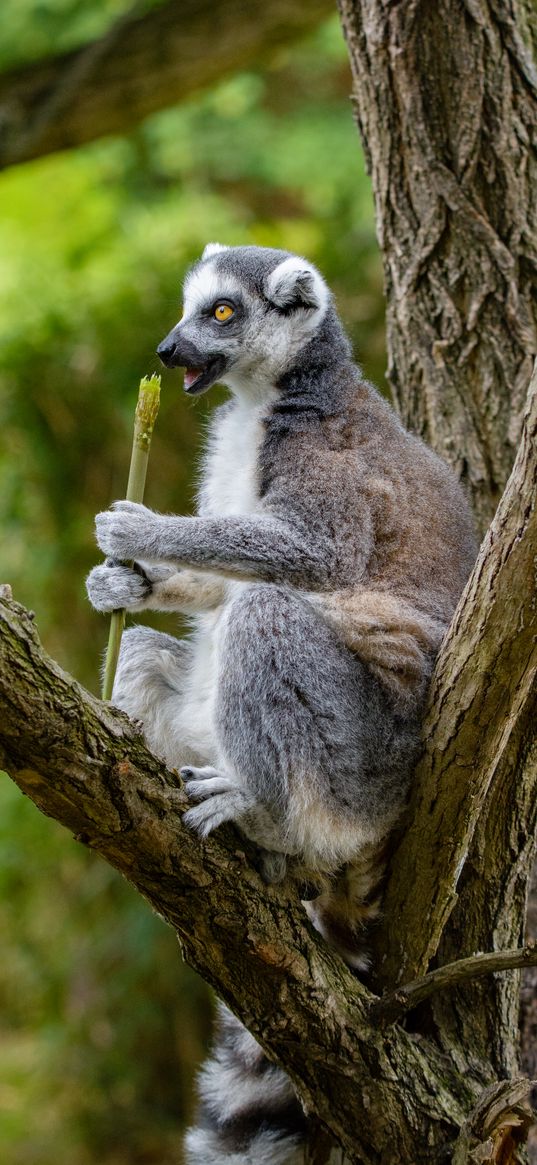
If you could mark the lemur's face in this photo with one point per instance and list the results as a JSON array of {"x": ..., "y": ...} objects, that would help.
[{"x": 247, "y": 312}]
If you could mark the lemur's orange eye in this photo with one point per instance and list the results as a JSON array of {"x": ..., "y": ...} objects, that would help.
[{"x": 223, "y": 312}]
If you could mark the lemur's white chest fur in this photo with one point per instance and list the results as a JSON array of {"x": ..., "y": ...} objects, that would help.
[
  {"x": 230, "y": 479},
  {"x": 229, "y": 486}
]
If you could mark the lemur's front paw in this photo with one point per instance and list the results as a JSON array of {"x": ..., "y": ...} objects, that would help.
[
  {"x": 129, "y": 530},
  {"x": 113, "y": 585},
  {"x": 220, "y": 799}
]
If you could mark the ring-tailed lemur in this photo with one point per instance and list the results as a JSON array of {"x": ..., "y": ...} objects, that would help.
[{"x": 323, "y": 567}]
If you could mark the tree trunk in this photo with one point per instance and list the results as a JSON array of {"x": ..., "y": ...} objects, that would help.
[
  {"x": 446, "y": 101},
  {"x": 529, "y": 1015}
]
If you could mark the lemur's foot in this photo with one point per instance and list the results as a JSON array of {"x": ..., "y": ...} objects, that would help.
[{"x": 221, "y": 799}]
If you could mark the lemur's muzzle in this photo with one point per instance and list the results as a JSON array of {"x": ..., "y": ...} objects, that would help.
[{"x": 201, "y": 371}]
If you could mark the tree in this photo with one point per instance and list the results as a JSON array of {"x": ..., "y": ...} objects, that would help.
[{"x": 456, "y": 219}]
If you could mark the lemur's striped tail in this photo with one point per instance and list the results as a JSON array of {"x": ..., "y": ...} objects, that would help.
[{"x": 248, "y": 1112}]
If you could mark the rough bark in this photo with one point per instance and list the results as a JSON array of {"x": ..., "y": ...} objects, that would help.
[
  {"x": 446, "y": 100},
  {"x": 478, "y": 745},
  {"x": 146, "y": 62},
  {"x": 529, "y": 1016}
]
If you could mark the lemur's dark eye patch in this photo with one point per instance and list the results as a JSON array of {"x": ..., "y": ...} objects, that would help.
[{"x": 223, "y": 311}]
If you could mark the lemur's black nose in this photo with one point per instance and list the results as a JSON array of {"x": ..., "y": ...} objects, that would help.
[{"x": 166, "y": 351}]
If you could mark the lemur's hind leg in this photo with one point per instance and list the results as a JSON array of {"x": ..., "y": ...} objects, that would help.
[
  {"x": 248, "y": 1112},
  {"x": 311, "y": 749},
  {"x": 150, "y": 685}
]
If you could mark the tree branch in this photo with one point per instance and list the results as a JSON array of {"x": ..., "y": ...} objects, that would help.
[
  {"x": 145, "y": 62},
  {"x": 483, "y": 697},
  {"x": 87, "y": 765},
  {"x": 393, "y": 1006}
]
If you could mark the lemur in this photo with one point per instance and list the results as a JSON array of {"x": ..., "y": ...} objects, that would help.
[{"x": 322, "y": 569}]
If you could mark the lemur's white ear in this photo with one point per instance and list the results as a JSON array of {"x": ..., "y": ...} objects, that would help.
[
  {"x": 295, "y": 283},
  {"x": 213, "y": 249}
]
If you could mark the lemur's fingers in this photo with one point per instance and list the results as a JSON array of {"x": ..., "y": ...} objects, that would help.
[
  {"x": 200, "y": 790},
  {"x": 207, "y": 816},
  {"x": 127, "y": 530},
  {"x": 112, "y": 585},
  {"x": 156, "y": 572},
  {"x": 216, "y": 809},
  {"x": 190, "y": 774}
]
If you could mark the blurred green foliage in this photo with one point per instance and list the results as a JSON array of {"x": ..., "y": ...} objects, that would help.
[
  {"x": 33, "y": 29},
  {"x": 101, "y": 1023}
]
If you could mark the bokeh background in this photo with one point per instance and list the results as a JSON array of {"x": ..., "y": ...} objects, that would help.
[{"x": 101, "y": 1025}]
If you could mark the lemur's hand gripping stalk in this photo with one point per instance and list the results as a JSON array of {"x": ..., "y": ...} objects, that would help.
[{"x": 145, "y": 416}]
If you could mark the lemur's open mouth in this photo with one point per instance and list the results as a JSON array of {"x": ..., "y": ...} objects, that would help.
[{"x": 199, "y": 379}]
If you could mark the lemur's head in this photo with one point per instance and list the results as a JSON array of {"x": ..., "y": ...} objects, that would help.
[{"x": 247, "y": 313}]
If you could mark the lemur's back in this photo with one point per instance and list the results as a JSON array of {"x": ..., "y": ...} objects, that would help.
[{"x": 393, "y": 511}]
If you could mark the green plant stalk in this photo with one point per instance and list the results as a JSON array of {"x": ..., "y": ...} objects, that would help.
[{"x": 144, "y": 419}]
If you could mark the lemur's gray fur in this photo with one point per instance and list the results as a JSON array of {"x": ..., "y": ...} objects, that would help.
[{"x": 323, "y": 567}]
